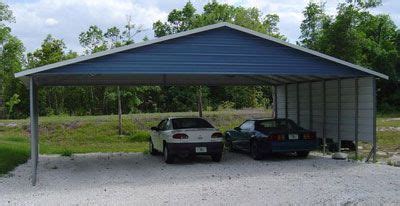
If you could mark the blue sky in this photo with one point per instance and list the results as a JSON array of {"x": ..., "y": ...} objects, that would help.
[{"x": 65, "y": 19}]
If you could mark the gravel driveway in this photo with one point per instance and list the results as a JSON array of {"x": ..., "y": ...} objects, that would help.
[{"x": 110, "y": 179}]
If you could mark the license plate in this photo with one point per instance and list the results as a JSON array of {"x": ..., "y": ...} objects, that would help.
[
  {"x": 293, "y": 136},
  {"x": 201, "y": 149}
]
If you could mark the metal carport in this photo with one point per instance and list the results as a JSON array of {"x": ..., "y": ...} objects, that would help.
[{"x": 311, "y": 88}]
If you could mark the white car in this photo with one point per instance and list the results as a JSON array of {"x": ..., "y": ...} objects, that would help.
[{"x": 184, "y": 137}]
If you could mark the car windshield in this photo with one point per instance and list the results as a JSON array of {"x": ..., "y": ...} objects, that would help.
[
  {"x": 276, "y": 125},
  {"x": 185, "y": 123}
]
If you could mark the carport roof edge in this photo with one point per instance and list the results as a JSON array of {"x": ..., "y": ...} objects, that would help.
[{"x": 194, "y": 31}]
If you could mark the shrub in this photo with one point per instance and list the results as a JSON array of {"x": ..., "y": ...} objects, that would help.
[{"x": 66, "y": 153}]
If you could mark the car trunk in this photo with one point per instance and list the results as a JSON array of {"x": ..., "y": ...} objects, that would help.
[
  {"x": 196, "y": 135},
  {"x": 289, "y": 135}
]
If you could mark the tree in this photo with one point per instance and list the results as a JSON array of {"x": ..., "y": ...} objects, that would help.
[
  {"x": 52, "y": 50},
  {"x": 131, "y": 30},
  {"x": 186, "y": 18},
  {"x": 14, "y": 100},
  {"x": 114, "y": 37},
  {"x": 311, "y": 26},
  {"x": 93, "y": 40},
  {"x": 11, "y": 61},
  {"x": 357, "y": 36},
  {"x": 214, "y": 12}
]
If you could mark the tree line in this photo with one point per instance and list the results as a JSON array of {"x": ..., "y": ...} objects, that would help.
[{"x": 354, "y": 34}]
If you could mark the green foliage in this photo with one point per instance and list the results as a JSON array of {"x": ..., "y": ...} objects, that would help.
[
  {"x": 360, "y": 37},
  {"x": 185, "y": 19},
  {"x": 5, "y": 14},
  {"x": 12, "y": 156},
  {"x": 66, "y": 153},
  {"x": 14, "y": 100},
  {"x": 311, "y": 27},
  {"x": 354, "y": 34},
  {"x": 11, "y": 61},
  {"x": 214, "y": 12},
  {"x": 365, "y": 4},
  {"x": 226, "y": 105},
  {"x": 93, "y": 40}
]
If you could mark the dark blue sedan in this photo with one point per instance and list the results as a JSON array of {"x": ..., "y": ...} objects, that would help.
[{"x": 265, "y": 136}]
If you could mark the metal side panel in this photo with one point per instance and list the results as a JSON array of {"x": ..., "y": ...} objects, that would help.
[
  {"x": 331, "y": 109},
  {"x": 292, "y": 102},
  {"x": 366, "y": 109},
  {"x": 304, "y": 104},
  {"x": 280, "y": 95},
  {"x": 317, "y": 107},
  {"x": 347, "y": 123}
]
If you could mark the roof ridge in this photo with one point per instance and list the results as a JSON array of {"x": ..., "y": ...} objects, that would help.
[{"x": 190, "y": 32}]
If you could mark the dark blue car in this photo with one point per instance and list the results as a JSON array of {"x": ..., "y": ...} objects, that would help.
[{"x": 264, "y": 136}]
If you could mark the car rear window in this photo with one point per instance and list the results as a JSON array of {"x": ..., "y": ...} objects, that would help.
[
  {"x": 277, "y": 124},
  {"x": 186, "y": 123}
]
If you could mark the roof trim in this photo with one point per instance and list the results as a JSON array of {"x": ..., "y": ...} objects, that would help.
[{"x": 194, "y": 31}]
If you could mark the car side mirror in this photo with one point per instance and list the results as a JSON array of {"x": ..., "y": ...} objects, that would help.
[
  {"x": 154, "y": 128},
  {"x": 237, "y": 128}
]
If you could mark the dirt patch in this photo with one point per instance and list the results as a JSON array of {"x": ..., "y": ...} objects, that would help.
[
  {"x": 12, "y": 124},
  {"x": 388, "y": 129}
]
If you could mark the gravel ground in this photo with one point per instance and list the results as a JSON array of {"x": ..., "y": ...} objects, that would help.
[{"x": 120, "y": 179}]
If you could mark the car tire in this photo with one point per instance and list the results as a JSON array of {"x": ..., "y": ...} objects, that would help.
[
  {"x": 152, "y": 151},
  {"x": 229, "y": 145},
  {"x": 303, "y": 153},
  {"x": 168, "y": 158},
  {"x": 254, "y": 151},
  {"x": 216, "y": 157}
]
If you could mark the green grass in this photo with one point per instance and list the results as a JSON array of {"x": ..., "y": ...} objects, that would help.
[
  {"x": 66, "y": 153},
  {"x": 67, "y": 135},
  {"x": 12, "y": 155}
]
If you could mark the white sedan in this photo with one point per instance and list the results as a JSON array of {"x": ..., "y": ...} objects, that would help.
[{"x": 184, "y": 137}]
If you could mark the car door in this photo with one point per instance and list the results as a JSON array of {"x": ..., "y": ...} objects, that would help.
[
  {"x": 156, "y": 138},
  {"x": 242, "y": 140},
  {"x": 164, "y": 132}
]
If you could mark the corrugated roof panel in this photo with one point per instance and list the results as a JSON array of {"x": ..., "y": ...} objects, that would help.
[{"x": 218, "y": 51}]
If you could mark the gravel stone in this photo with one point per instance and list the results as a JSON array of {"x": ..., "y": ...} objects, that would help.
[{"x": 236, "y": 180}]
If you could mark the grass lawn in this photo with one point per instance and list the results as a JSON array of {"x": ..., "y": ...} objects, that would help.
[{"x": 66, "y": 135}]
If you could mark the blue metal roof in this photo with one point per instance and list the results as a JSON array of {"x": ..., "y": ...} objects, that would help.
[{"x": 220, "y": 55}]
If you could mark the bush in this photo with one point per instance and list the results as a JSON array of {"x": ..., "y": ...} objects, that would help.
[
  {"x": 226, "y": 105},
  {"x": 66, "y": 153}
]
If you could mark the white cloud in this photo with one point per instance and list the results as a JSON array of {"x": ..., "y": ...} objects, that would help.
[
  {"x": 51, "y": 22},
  {"x": 66, "y": 19}
]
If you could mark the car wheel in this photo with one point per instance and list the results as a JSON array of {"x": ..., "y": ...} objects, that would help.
[
  {"x": 151, "y": 148},
  {"x": 168, "y": 158},
  {"x": 254, "y": 151},
  {"x": 229, "y": 145},
  {"x": 216, "y": 157},
  {"x": 302, "y": 153}
]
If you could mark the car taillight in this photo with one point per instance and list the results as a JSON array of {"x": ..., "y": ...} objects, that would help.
[
  {"x": 276, "y": 137},
  {"x": 217, "y": 135},
  {"x": 310, "y": 135},
  {"x": 180, "y": 136}
]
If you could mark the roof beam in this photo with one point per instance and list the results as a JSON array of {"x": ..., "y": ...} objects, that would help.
[
  {"x": 279, "y": 79},
  {"x": 270, "y": 79},
  {"x": 258, "y": 79}
]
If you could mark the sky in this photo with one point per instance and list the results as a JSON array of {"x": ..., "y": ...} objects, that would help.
[{"x": 66, "y": 19}]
